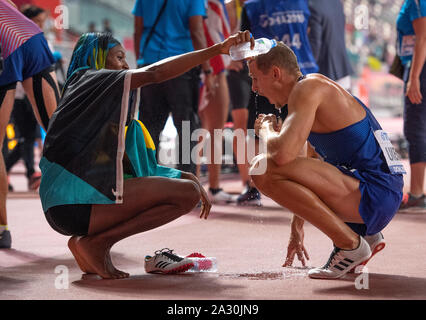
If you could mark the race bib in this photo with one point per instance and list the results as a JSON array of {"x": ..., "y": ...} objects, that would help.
[
  {"x": 407, "y": 45},
  {"x": 391, "y": 156}
]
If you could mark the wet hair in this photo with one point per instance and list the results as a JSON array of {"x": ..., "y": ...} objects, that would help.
[
  {"x": 32, "y": 11},
  {"x": 91, "y": 51},
  {"x": 281, "y": 56}
]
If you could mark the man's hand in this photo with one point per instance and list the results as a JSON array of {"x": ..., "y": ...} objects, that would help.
[
  {"x": 240, "y": 37},
  {"x": 295, "y": 244},
  {"x": 413, "y": 91},
  {"x": 264, "y": 121},
  {"x": 210, "y": 82}
]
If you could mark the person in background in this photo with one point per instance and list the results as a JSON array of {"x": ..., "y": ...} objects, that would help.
[
  {"x": 107, "y": 26},
  {"x": 27, "y": 130},
  {"x": 327, "y": 39},
  {"x": 411, "y": 27},
  {"x": 179, "y": 29},
  {"x": 91, "y": 27},
  {"x": 239, "y": 84},
  {"x": 214, "y": 109},
  {"x": 27, "y": 59}
]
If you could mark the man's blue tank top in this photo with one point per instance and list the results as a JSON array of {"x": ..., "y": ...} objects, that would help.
[
  {"x": 356, "y": 149},
  {"x": 287, "y": 21}
]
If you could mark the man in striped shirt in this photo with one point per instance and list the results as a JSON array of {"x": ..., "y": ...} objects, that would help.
[{"x": 27, "y": 59}]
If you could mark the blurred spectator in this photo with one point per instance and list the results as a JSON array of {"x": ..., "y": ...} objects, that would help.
[
  {"x": 179, "y": 29},
  {"x": 239, "y": 83},
  {"x": 327, "y": 39},
  {"x": 36, "y": 14},
  {"x": 27, "y": 130},
  {"x": 214, "y": 109},
  {"x": 27, "y": 59},
  {"x": 411, "y": 26},
  {"x": 107, "y": 26},
  {"x": 92, "y": 27}
]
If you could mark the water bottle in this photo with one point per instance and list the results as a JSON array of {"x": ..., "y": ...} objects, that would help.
[
  {"x": 203, "y": 264},
  {"x": 243, "y": 51}
]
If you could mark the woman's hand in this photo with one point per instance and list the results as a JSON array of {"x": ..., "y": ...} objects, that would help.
[
  {"x": 240, "y": 37},
  {"x": 205, "y": 201}
]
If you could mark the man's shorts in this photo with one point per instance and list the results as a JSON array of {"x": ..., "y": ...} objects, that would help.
[
  {"x": 29, "y": 59},
  {"x": 381, "y": 195}
]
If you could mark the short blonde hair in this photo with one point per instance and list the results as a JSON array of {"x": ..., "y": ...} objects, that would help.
[{"x": 281, "y": 56}]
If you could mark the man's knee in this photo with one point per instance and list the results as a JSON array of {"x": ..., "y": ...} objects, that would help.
[{"x": 264, "y": 178}]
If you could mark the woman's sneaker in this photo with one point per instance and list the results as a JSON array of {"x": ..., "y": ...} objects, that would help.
[
  {"x": 165, "y": 261},
  {"x": 377, "y": 243},
  {"x": 342, "y": 261}
]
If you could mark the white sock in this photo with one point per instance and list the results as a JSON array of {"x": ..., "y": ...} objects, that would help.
[{"x": 3, "y": 228}]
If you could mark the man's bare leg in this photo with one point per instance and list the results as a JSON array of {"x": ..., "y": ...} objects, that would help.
[
  {"x": 214, "y": 116},
  {"x": 163, "y": 200},
  {"x": 417, "y": 178},
  {"x": 240, "y": 117},
  {"x": 5, "y": 110},
  {"x": 318, "y": 193}
]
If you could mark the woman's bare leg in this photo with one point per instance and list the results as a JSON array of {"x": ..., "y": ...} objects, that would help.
[
  {"x": 240, "y": 117},
  {"x": 148, "y": 203}
]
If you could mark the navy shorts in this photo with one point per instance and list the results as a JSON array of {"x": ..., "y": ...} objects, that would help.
[
  {"x": 415, "y": 122},
  {"x": 378, "y": 204}
]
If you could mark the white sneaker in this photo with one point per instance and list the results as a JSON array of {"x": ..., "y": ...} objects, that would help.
[
  {"x": 165, "y": 261},
  {"x": 342, "y": 261},
  {"x": 377, "y": 243},
  {"x": 221, "y": 197}
]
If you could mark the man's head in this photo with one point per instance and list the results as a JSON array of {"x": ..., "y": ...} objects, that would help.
[
  {"x": 97, "y": 51},
  {"x": 272, "y": 72}
]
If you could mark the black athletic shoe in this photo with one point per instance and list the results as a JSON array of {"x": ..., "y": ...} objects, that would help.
[
  {"x": 5, "y": 240},
  {"x": 250, "y": 197}
]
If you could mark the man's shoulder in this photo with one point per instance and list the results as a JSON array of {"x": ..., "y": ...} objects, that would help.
[{"x": 313, "y": 81}]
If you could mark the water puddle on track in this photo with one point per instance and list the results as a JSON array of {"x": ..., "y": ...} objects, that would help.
[{"x": 287, "y": 273}]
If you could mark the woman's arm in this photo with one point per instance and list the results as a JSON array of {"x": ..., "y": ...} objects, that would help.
[{"x": 174, "y": 66}]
